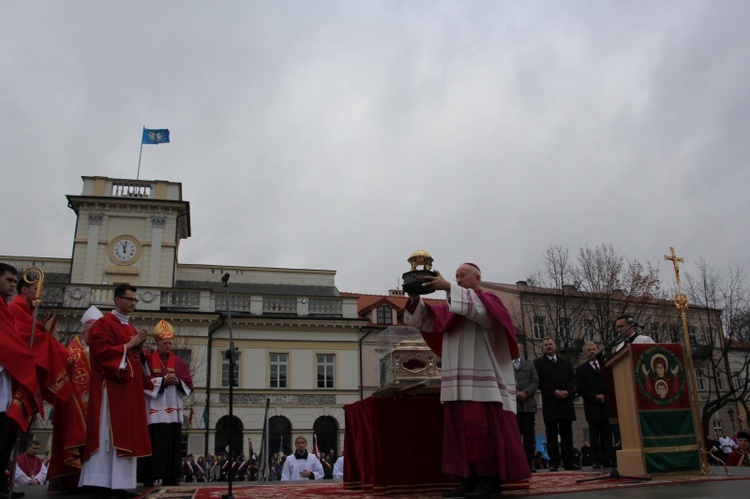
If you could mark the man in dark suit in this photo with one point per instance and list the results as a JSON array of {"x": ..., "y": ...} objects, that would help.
[
  {"x": 557, "y": 382},
  {"x": 527, "y": 383},
  {"x": 591, "y": 388}
]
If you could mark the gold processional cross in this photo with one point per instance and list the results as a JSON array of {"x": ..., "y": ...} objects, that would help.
[{"x": 681, "y": 302}]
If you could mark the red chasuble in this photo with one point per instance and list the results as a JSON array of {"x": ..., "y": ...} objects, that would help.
[
  {"x": 127, "y": 405},
  {"x": 50, "y": 355},
  {"x": 69, "y": 417},
  {"x": 18, "y": 360}
]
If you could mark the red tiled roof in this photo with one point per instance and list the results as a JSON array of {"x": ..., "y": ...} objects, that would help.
[{"x": 365, "y": 302}]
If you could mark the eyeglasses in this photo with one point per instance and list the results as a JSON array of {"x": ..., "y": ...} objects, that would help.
[{"x": 129, "y": 298}]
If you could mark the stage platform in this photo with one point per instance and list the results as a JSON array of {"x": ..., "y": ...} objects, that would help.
[{"x": 544, "y": 484}]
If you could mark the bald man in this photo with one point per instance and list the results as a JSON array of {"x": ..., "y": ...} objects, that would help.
[{"x": 474, "y": 335}]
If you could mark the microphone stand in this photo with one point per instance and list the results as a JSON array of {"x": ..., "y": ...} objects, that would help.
[{"x": 232, "y": 356}]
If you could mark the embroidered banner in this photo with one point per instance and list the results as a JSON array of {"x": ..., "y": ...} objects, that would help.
[{"x": 666, "y": 419}]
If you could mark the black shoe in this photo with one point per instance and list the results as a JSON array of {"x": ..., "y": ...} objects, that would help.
[
  {"x": 487, "y": 488},
  {"x": 148, "y": 484},
  {"x": 572, "y": 467},
  {"x": 467, "y": 485},
  {"x": 101, "y": 493},
  {"x": 533, "y": 470},
  {"x": 597, "y": 466},
  {"x": 125, "y": 493},
  {"x": 553, "y": 467}
]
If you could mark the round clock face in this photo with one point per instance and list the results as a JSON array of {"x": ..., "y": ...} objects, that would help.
[{"x": 124, "y": 250}]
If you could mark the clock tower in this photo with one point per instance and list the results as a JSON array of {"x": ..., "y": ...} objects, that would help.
[{"x": 128, "y": 231}]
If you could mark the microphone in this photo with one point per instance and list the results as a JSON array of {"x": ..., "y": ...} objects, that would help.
[
  {"x": 634, "y": 323},
  {"x": 225, "y": 278}
]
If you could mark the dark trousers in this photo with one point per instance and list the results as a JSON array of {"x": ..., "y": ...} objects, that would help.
[
  {"x": 564, "y": 428},
  {"x": 165, "y": 463},
  {"x": 526, "y": 426},
  {"x": 601, "y": 442},
  {"x": 8, "y": 435}
]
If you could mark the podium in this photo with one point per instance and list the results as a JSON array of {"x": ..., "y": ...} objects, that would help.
[{"x": 657, "y": 430}]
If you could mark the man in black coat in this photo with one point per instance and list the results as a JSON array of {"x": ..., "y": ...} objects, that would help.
[
  {"x": 591, "y": 388},
  {"x": 527, "y": 383},
  {"x": 557, "y": 382}
]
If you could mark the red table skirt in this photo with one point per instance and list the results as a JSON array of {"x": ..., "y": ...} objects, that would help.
[{"x": 395, "y": 445}]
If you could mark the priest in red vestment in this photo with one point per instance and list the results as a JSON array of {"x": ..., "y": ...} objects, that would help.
[
  {"x": 30, "y": 469},
  {"x": 116, "y": 424},
  {"x": 171, "y": 382},
  {"x": 19, "y": 389},
  {"x": 69, "y": 417},
  {"x": 50, "y": 355}
]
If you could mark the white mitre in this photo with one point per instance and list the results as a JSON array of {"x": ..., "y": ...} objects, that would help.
[{"x": 91, "y": 315}]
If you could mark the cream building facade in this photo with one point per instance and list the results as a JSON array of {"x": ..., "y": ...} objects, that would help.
[{"x": 297, "y": 336}]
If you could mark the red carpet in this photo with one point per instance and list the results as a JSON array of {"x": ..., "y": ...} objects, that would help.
[{"x": 541, "y": 483}]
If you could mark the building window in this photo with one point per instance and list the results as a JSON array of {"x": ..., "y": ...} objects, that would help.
[
  {"x": 385, "y": 315},
  {"x": 589, "y": 330},
  {"x": 653, "y": 331},
  {"x": 720, "y": 382},
  {"x": 225, "y": 370},
  {"x": 540, "y": 328},
  {"x": 565, "y": 327},
  {"x": 693, "y": 335},
  {"x": 674, "y": 333},
  {"x": 279, "y": 363},
  {"x": 718, "y": 427},
  {"x": 184, "y": 353},
  {"x": 326, "y": 364},
  {"x": 700, "y": 381}
]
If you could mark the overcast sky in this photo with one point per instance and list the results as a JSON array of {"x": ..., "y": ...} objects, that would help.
[{"x": 346, "y": 134}]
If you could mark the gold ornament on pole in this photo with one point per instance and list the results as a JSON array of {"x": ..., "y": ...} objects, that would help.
[{"x": 681, "y": 302}]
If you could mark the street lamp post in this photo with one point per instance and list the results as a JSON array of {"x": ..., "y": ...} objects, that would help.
[{"x": 731, "y": 418}]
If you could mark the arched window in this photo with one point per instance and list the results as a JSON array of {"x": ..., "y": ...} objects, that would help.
[
  {"x": 280, "y": 435},
  {"x": 326, "y": 430},
  {"x": 222, "y": 435}
]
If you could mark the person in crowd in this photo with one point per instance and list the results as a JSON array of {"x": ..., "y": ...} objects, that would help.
[
  {"x": 30, "y": 468},
  {"x": 301, "y": 465},
  {"x": 557, "y": 382},
  {"x": 728, "y": 445},
  {"x": 189, "y": 469},
  {"x": 69, "y": 416},
  {"x": 741, "y": 455},
  {"x": 171, "y": 382},
  {"x": 200, "y": 469},
  {"x": 338, "y": 468},
  {"x": 209, "y": 467},
  {"x": 17, "y": 370},
  {"x": 627, "y": 328},
  {"x": 590, "y": 384},
  {"x": 473, "y": 333},
  {"x": 527, "y": 383},
  {"x": 50, "y": 356},
  {"x": 241, "y": 466},
  {"x": 116, "y": 423}
]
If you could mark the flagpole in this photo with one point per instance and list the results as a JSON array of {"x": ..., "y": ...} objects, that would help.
[{"x": 138, "y": 175}]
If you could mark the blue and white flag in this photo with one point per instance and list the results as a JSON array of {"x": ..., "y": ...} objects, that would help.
[{"x": 155, "y": 136}]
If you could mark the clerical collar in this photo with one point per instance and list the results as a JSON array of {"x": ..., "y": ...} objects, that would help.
[{"x": 123, "y": 318}]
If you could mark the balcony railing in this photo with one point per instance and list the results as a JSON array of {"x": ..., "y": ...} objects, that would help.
[{"x": 82, "y": 296}]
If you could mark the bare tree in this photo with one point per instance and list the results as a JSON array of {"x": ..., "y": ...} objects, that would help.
[
  {"x": 721, "y": 354},
  {"x": 580, "y": 298}
]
